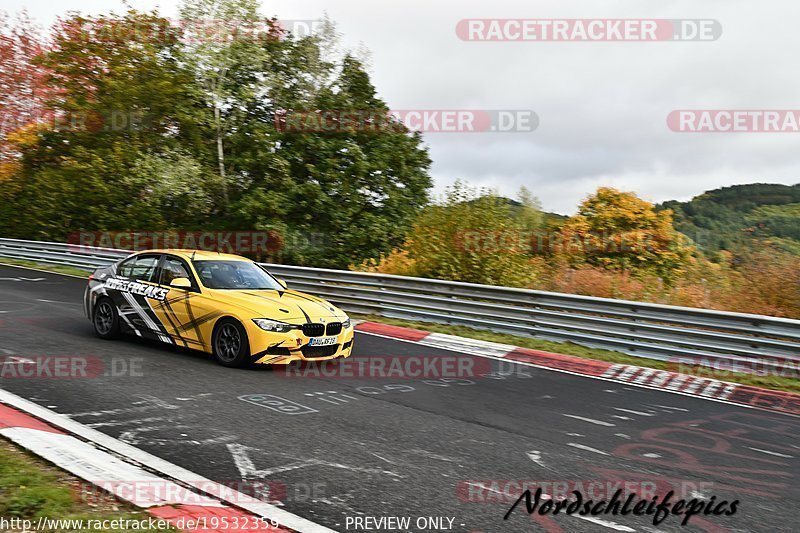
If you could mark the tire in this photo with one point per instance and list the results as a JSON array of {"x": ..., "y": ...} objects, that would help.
[
  {"x": 105, "y": 319},
  {"x": 230, "y": 344}
]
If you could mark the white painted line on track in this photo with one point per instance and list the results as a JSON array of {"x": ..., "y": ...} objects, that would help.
[
  {"x": 591, "y": 420},
  {"x": 586, "y": 448},
  {"x": 163, "y": 467},
  {"x": 772, "y": 453},
  {"x": 600, "y": 378},
  {"x": 631, "y": 411},
  {"x": 103, "y": 469},
  {"x": 606, "y": 523}
]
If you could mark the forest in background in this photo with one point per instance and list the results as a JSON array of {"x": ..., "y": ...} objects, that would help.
[{"x": 137, "y": 122}]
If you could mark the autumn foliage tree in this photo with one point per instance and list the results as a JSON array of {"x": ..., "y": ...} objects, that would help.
[
  {"x": 616, "y": 230},
  {"x": 22, "y": 89},
  {"x": 471, "y": 236}
]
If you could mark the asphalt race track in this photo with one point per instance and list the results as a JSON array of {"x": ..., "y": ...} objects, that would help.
[{"x": 342, "y": 448}]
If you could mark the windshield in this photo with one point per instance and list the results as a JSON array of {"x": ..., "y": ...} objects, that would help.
[{"x": 234, "y": 275}]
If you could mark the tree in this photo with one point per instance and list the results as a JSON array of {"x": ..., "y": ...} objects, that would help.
[
  {"x": 122, "y": 97},
  {"x": 361, "y": 189},
  {"x": 469, "y": 236},
  {"x": 619, "y": 231},
  {"x": 223, "y": 46},
  {"x": 22, "y": 91}
]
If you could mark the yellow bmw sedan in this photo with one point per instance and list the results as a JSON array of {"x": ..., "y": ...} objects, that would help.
[{"x": 222, "y": 304}]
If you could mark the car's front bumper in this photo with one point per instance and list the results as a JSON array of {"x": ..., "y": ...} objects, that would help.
[{"x": 271, "y": 348}]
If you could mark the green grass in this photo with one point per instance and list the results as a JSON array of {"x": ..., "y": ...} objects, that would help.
[
  {"x": 50, "y": 268},
  {"x": 30, "y": 488},
  {"x": 568, "y": 348}
]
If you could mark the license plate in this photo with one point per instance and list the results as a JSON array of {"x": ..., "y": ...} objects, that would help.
[{"x": 322, "y": 341}]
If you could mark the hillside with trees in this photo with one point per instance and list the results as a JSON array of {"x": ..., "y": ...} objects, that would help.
[
  {"x": 616, "y": 246},
  {"x": 733, "y": 218}
]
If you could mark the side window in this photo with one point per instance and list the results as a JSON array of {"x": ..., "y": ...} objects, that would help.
[
  {"x": 174, "y": 268},
  {"x": 140, "y": 268},
  {"x": 126, "y": 268}
]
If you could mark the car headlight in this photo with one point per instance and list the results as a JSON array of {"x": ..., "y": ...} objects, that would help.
[
  {"x": 346, "y": 324},
  {"x": 273, "y": 325}
]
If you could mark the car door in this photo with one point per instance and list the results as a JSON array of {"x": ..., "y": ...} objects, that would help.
[
  {"x": 185, "y": 310},
  {"x": 134, "y": 289}
]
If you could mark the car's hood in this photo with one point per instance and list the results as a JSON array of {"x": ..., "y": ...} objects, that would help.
[{"x": 292, "y": 306}]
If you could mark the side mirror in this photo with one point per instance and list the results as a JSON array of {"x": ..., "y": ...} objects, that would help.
[
  {"x": 283, "y": 283},
  {"x": 181, "y": 283}
]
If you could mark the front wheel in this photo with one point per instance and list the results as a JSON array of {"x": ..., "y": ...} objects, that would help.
[
  {"x": 106, "y": 319},
  {"x": 231, "y": 346}
]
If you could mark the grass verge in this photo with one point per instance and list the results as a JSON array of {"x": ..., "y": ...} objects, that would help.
[
  {"x": 31, "y": 488},
  {"x": 780, "y": 383},
  {"x": 50, "y": 268}
]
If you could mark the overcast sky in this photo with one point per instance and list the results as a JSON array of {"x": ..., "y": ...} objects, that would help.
[{"x": 602, "y": 106}]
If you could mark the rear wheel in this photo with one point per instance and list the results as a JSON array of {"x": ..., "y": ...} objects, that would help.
[
  {"x": 106, "y": 319},
  {"x": 231, "y": 346}
]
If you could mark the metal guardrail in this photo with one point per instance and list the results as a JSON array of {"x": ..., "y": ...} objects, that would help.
[{"x": 636, "y": 328}]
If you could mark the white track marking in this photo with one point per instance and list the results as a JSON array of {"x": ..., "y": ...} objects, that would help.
[
  {"x": 633, "y": 412},
  {"x": 670, "y": 407},
  {"x": 536, "y": 457},
  {"x": 722, "y": 399},
  {"x": 591, "y": 420},
  {"x": 605, "y": 523},
  {"x": 125, "y": 422},
  {"x": 57, "y": 302},
  {"x": 247, "y": 469},
  {"x": 146, "y": 403},
  {"x": 383, "y": 458},
  {"x": 586, "y": 448},
  {"x": 165, "y": 468},
  {"x": 771, "y": 453},
  {"x": 100, "y": 468}
]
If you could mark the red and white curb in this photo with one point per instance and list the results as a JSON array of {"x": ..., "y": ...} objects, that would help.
[
  {"x": 673, "y": 382},
  {"x": 163, "y": 489}
]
